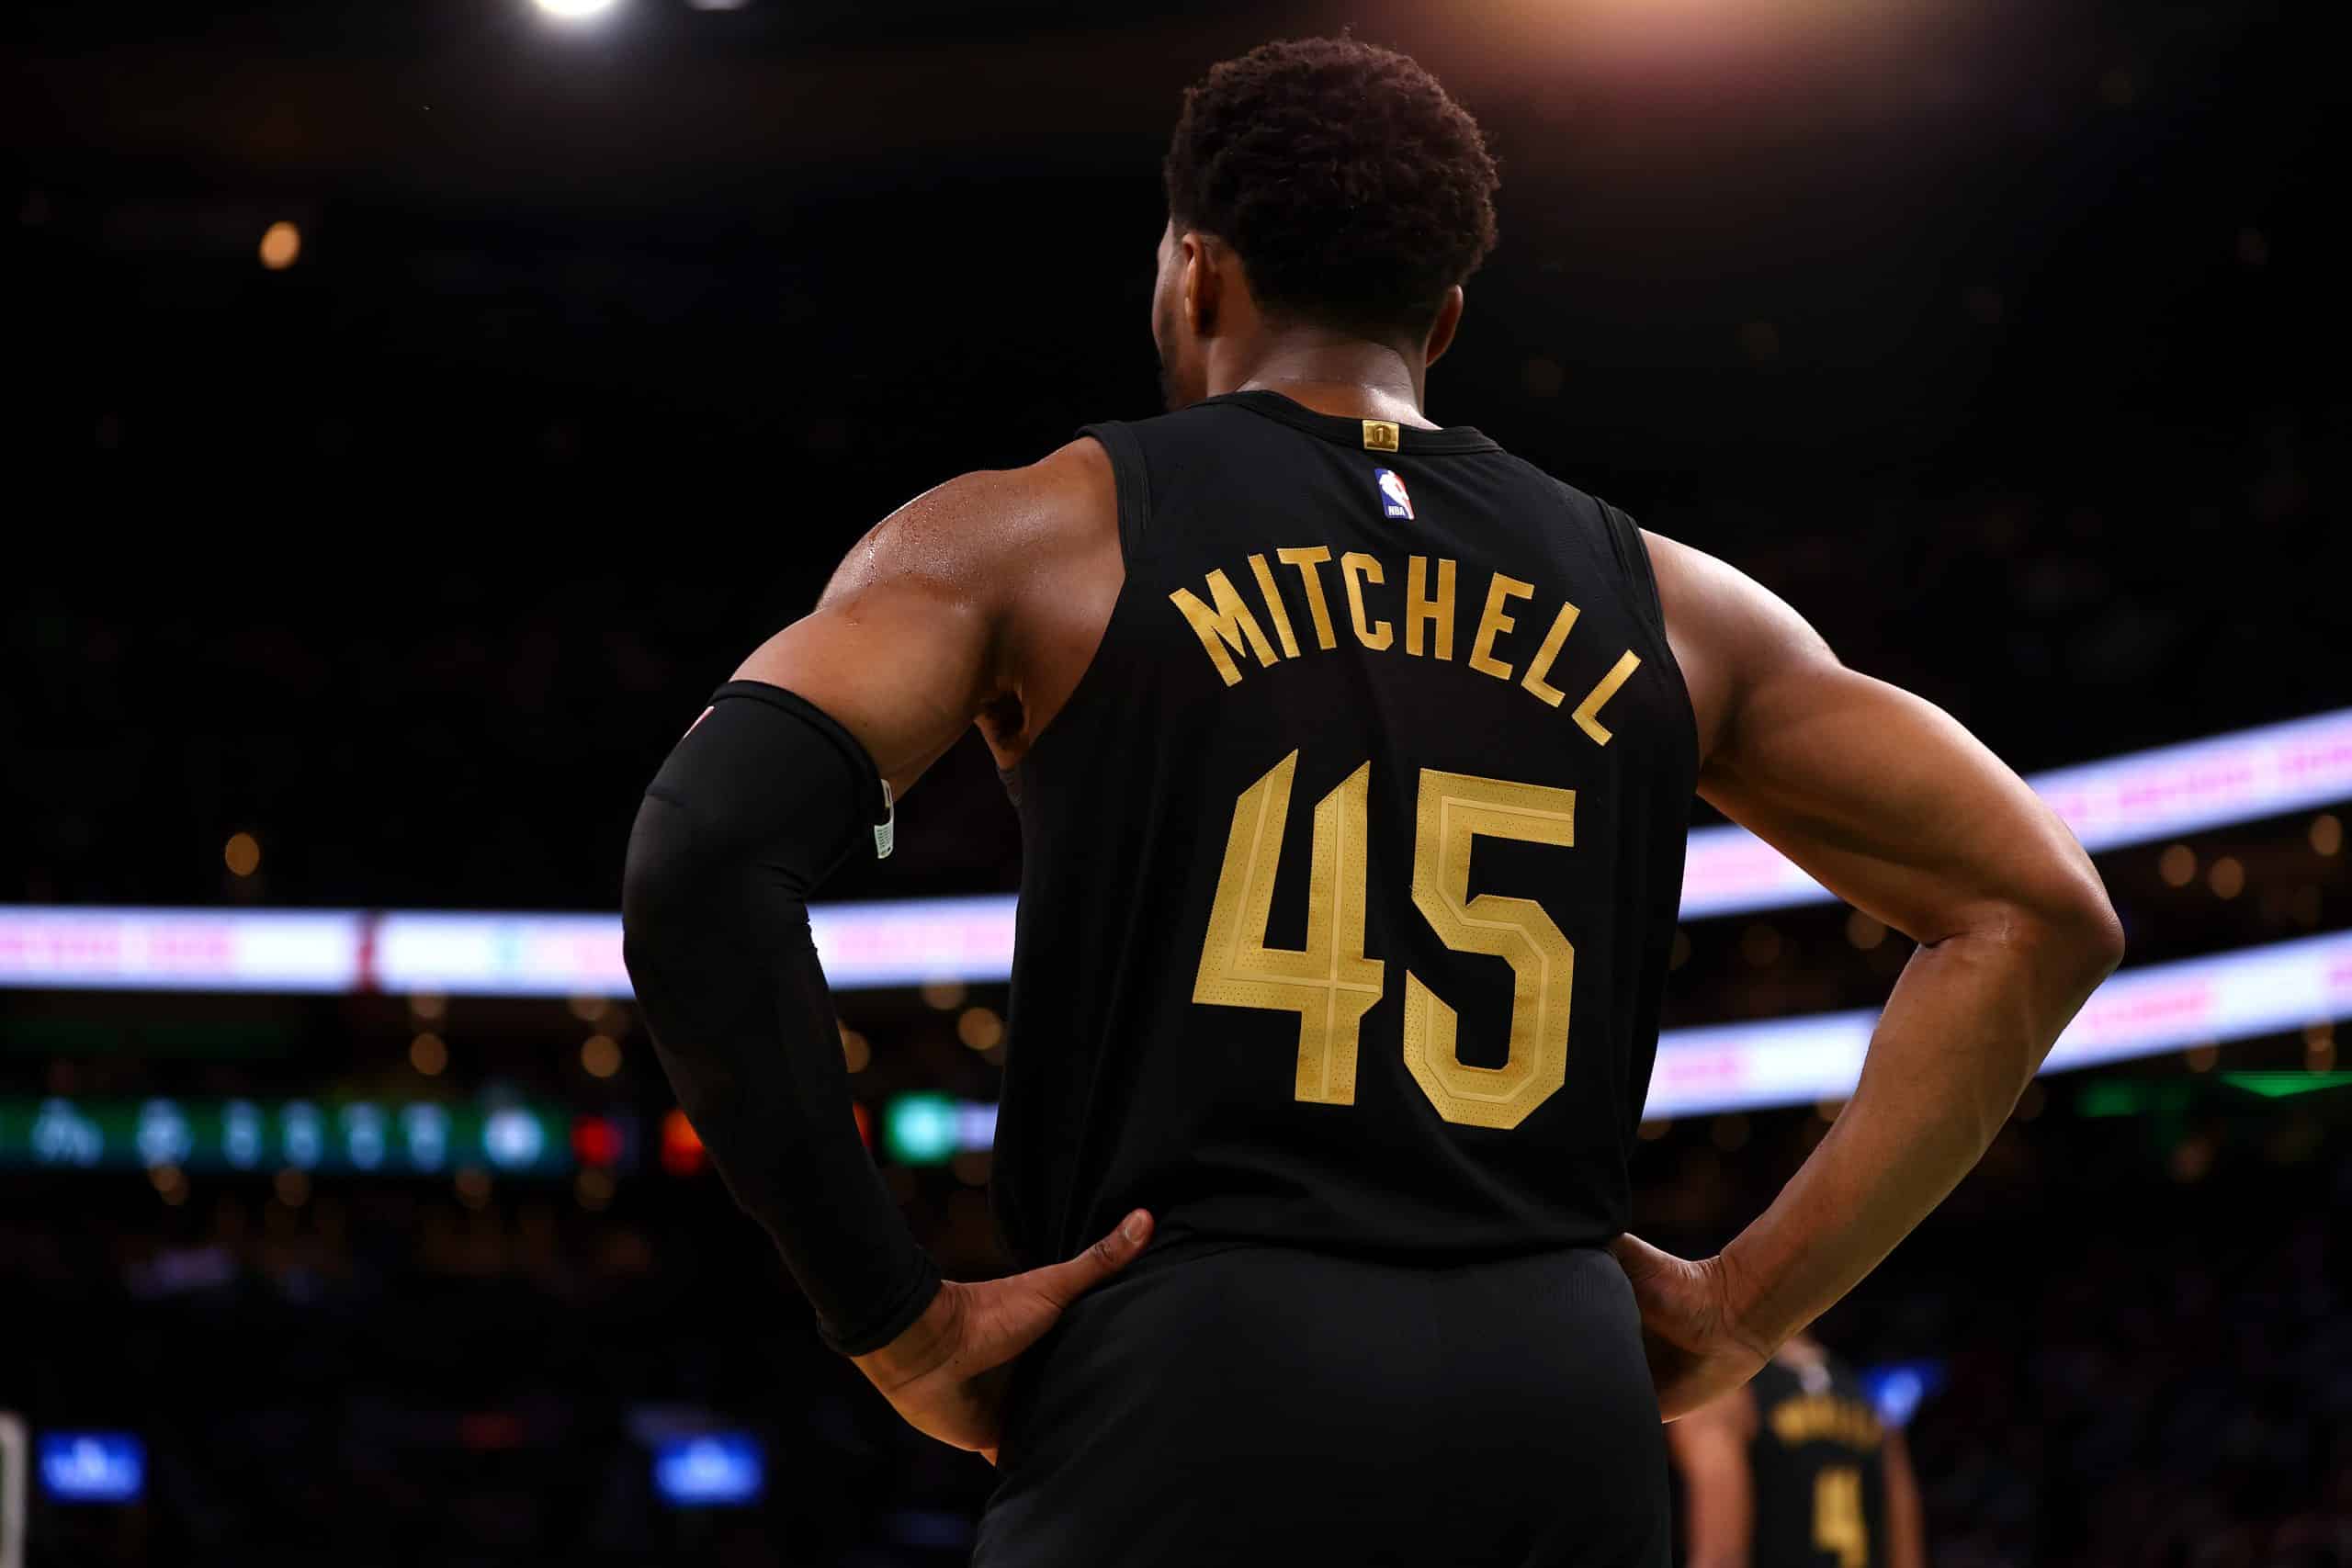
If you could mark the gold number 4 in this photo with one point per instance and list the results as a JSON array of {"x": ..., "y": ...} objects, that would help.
[
  {"x": 1330, "y": 984},
  {"x": 1837, "y": 1516}
]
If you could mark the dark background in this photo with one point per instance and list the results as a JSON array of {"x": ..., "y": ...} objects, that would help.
[{"x": 2005, "y": 340}]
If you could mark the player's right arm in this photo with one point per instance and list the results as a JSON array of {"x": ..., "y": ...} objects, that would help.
[
  {"x": 1709, "y": 1449},
  {"x": 1906, "y": 1528},
  {"x": 979, "y": 601},
  {"x": 1898, "y": 810}
]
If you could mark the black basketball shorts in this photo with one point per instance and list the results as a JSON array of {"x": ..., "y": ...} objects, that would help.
[{"x": 1263, "y": 1406}]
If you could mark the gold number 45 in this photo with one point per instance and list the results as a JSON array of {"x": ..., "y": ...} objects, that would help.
[{"x": 1330, "y": 984}]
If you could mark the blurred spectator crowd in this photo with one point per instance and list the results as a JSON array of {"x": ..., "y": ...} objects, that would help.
[{"x": 2148, "y": 1358}]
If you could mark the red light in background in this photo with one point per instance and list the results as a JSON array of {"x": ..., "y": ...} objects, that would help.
[
  {"x": 681, "y": 1145},
  {"x": 682, "y": 1150},
  {"x": 487, "y": 1429},
  {"x": 596, "y": 1140}
]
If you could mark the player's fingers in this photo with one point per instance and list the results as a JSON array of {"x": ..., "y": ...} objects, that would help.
[
  {"x": 1637, "y": 1257},
  {"x": 1063, "y": 1283}
]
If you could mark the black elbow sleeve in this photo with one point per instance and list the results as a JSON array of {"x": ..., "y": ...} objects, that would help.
[
  {"x": 763, "y": 797},
  {"x": 764, "y": 792},
  {"x": 761, "y": 774},
  {"x": 659, "y": 876}
]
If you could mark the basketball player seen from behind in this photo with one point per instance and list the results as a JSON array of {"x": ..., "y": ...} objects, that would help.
[
  {"x": 1355, "y": 759},
  {"x": 1797, "y": 1469}
]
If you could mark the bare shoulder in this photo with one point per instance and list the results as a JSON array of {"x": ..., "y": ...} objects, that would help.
[
  {"x": 974, "y": 601},
  {"x": 979, "y": 535},
  {"x": 1010, "y": 573},
  {"x": 1729, "y": 632}
]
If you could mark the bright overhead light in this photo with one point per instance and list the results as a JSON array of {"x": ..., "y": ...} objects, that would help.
[{"x": 576, "y": 10}]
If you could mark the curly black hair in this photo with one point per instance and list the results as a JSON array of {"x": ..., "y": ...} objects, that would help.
[{"x": 1354, "y": 189}]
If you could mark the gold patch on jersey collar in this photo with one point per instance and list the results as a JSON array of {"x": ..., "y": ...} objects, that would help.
[{"x": 1380, "y": 436}]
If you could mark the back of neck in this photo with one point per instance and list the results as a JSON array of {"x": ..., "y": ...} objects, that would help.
[
  {"x": 1348, "y": 400},
  {"x": 1352, "y": 378}
]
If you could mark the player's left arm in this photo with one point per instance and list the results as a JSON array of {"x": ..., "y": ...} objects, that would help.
[
  {"x": 1709, "y": 1448},
  {"x": 1895, "y": 807},
  {"x": 1907, "y": 1530},
  {"x": 931, "y": 623}
]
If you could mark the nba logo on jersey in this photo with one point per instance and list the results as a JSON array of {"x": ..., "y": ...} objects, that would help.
[{"x": 1394, "y": 499}]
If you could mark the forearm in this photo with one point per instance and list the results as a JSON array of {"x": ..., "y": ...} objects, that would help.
[
  {"x": 1906, "y": 1530},
  {"x": 1709, "y": 1448},
  {"x": 1964, "y": 1033},
  {"x": 753, "y": 806},
  {"x": 1719, "y": 1514}
]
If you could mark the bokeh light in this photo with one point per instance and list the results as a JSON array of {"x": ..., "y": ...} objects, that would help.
[
  {"x": 594, "y": 1188},
  {"x": 600, "y": 1055},
  {"x": 241, "y": 854},
  {"x": 856, "y": 1054},
  {"x": 682, "y": 1150},
  {"x": 281, "y": 246},
  {"x": 979, "y": 1028}
]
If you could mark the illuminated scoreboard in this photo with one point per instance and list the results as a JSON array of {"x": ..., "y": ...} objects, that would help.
[{"x": 381, "y": 1137}]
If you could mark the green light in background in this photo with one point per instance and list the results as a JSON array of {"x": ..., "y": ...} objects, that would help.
[
  {"x": 2129, "y": 1097},
  {"x": 397, "y": 1139},
  {"x": 920, "y": 1128},
  {"x": 2112, "y": 1097},
  {"x": 2279, "y": 1084}
]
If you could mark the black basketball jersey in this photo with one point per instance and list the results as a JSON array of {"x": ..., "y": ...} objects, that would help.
[
  {"x": 1352, "y": 864},
  {"x": 1819, "y": 1474}
]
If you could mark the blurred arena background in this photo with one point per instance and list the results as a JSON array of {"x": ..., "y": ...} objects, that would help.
[{"x": 420, "y": 408}]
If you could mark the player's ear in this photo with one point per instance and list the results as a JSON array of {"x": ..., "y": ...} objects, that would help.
[
  {"x": 1203, "y": 263},
  {"x": 1441, "y": 331}
]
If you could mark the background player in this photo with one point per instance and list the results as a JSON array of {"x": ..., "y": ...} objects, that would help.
[
  {"x": 1797, "y": 1469},
  {"x": 1381, "y": 1325}
]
